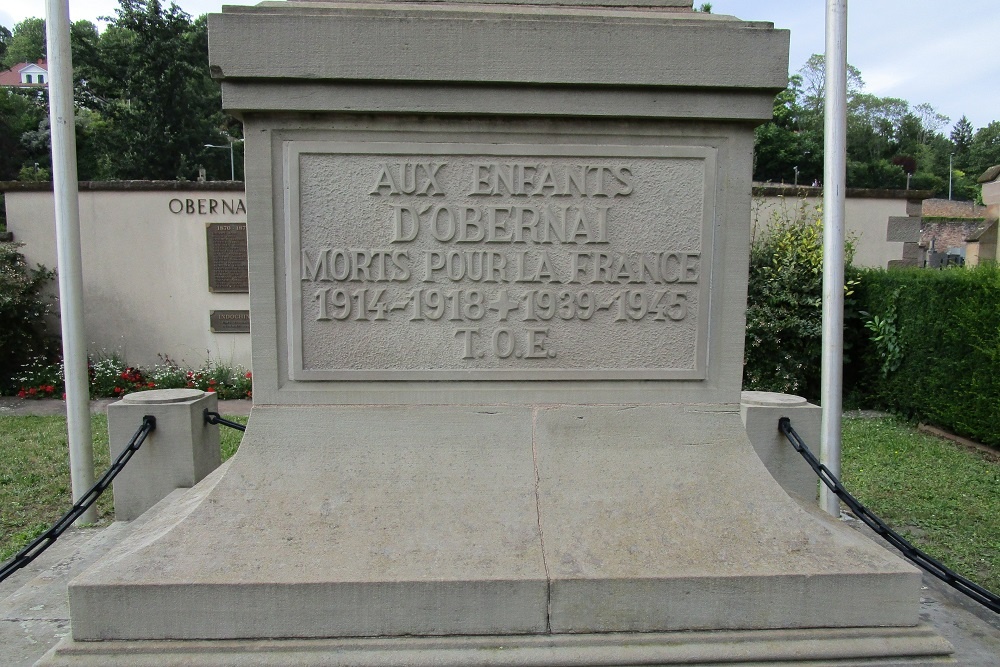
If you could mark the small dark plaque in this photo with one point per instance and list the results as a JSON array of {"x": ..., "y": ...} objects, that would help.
[
  {"x": 227, "y": 257},
  {"x": 229, "y": 321}
]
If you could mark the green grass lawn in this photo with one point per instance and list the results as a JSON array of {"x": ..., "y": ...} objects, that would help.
[
  {"x": 941, "y": 496},
  {"x": 34, "y": 476}
]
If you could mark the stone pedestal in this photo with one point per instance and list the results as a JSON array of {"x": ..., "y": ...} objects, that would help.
[
  {"x": 178, "y": 454},
  {"x": 498, "y": 277},
  {"x": 761, "y": 411}
]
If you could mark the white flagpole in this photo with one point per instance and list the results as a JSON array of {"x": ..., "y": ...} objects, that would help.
[
  {"x": 70, "y": 264},
  {"x": 834, "y": 196}
]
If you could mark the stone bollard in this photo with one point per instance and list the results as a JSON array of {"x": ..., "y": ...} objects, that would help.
[
  {"x": 761, "y": 411},
  {"x": 178, "y": 454}
]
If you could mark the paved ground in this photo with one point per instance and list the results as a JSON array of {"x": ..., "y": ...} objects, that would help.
[{"x": 34, "y": 613}]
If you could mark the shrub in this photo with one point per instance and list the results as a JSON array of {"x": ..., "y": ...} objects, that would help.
[
  {"x": 933, "y": 349},
  {"x": 23, "y": 309},
  {"x": 785, "y": 303},
  {"x": 226, "y": 381}
]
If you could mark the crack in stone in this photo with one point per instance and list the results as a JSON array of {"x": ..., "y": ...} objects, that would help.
[{"x": 538, "y": 517}]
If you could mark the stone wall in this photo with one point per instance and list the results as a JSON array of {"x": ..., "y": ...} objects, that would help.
[
  {"x": 944, "y": 208},
  {"x": 947, "y": 234},
  {"x": 145, "y": 265},
  {"x": 882, "y": 224},
  {"x": 146, "y": 269}
]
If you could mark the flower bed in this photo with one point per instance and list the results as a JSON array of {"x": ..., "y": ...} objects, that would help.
[{"x": 111, "y": 377}]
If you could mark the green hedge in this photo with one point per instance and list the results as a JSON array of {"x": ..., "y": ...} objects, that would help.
[{"x": 931, "y": 347}]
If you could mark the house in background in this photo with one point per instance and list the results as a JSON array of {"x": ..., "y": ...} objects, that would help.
[{"x": 26, "y": 75}]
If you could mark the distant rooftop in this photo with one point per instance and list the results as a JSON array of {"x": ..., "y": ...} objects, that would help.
[
  {"x": 990, "y": 174},
  {"x": 26, "y": 75}
]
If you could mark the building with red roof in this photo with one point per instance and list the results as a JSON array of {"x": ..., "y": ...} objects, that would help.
[{"x": 26, "y": 75}]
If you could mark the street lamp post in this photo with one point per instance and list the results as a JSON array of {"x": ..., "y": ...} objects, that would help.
[
  {"x": 950, "y": 173},
  {"x": 796, "y": 168},
  {"x": 232, "y": 161}
]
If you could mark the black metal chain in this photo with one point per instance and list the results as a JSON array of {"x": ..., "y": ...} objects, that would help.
[
  {"x": 216, "y": 418},
  {"x": 46, "y": 539},
  {"x": 984, "y": 597}
]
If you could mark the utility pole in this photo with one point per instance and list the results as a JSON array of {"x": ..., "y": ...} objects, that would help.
[{"x": 950, "y": 173}]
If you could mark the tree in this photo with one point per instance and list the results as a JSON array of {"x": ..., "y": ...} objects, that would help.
[
  {"x": 886, "y": 138},
  {"x": 814, "y": 83},
  {"x": 90, "y": 158},
  {"x": 27, "y": 43},
  {"x": 879, "y": 174},
  {"x": 931, "y": 121},
  {"x": 984, "y": 152},
  {"x": 20, "y": 112},
  {"x": 84, "y": 39},
  {"x": 961, "y": 138},
  {"x": 874, "y": 127},
  {"x": 163, "y": 106},
  {"x": 5, "y": 38},
  {"x": 789, "y": 142}
]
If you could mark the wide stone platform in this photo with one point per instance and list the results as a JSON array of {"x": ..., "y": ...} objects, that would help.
[{"x": 534, "y": 526}]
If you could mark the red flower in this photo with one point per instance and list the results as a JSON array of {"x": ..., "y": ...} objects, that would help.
[
  {"x": 22, "y": 393},
  {"x": 64, "y": 395},
  {"x": 32, "y": 391},
  {"x": 118, "y": 390},
  {"x": 211, "y": 389},
  {"x": 211, "y": 381},
  {"x": 49, "y": 388},
  {"x": 249, "y": 375}
]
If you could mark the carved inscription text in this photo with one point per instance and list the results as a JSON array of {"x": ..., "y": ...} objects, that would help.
[{"x": 558, "y": 264}]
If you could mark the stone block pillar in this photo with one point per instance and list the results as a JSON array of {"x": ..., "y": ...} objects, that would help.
[
  {"x": 761, "y": 411},
  {"x": 178, "y": 454}
]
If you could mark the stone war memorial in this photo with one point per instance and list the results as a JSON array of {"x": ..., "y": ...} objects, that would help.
[{"x": 498, "y": 264}]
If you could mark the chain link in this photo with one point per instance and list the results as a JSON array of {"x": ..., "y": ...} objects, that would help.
[
  {"x": 973, "y": 590},
  {"x": 46, "y": 539},
  {"x": 216, "y": 418}
]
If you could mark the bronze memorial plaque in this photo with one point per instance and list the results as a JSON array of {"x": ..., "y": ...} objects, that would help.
[
  {"x": 227, "y": 257},
  {"x": 229, "y": 321}
]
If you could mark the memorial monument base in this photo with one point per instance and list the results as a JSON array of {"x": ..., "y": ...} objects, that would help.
[
  {"x": 555, "y": 535},
  {"x": 498, "y": 278}
]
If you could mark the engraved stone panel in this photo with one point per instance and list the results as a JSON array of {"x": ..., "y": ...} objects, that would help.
[
  {"x": 229, "y": 321},
  {"x": 227, "y": 257},
  {"x": 458, "y": 261}
]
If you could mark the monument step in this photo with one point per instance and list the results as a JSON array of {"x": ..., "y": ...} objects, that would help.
[
  {"x": 813, "y": 648},
  {"x": 489, "y": 520}
]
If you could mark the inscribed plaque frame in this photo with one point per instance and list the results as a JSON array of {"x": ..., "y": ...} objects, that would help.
[{"x": 295, "y": 150}]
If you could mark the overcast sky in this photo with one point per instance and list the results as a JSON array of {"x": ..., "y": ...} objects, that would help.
[{"x": 919, "y": 50}]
